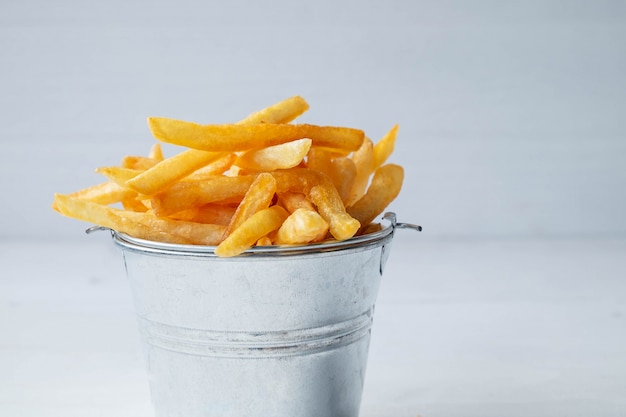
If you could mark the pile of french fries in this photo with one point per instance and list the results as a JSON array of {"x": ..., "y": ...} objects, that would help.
[{"x": 261, "y": 181}]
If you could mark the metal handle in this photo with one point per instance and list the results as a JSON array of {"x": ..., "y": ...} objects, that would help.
[{"x": 391, "y": 217}]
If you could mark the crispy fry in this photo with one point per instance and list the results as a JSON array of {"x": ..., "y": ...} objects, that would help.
[
  {"x": 258, "y": 197},
  {"x": 209, "y": 213},
  {"x": 384, "y": 188},
  {"x": 363, "y": 161},
  {"x": 104, "y": 193},
  {"x": 384, "y": 148},
  {"x": 282, "y": 112},
  {"x": 331, "y": 208},
  {"x": 156, "y": 152},
  {"x": 250, "y": 231},
  {"x": 138, "y": 162},
  {"x": 217, "y": 167},
  {"x": 186, "y": 194},
  {"x": 293, "y": 201},
  {"x": 343, "y": 173},
  {"x": 119, "y": 175},
  {"x": 141, "y": 225},
  {"x": 170, "y": 170},
  {"x": 243, "y": 137},
  {"x": 302, "y": 226},
  {"x": 282, "y": 156},
  {"x": 260, "y": 181}
]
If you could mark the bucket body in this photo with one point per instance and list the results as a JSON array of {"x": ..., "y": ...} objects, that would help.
[{"x": 273, "y": 332}]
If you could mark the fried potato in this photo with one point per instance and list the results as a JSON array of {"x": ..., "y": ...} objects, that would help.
[
  {"x": 261, "y": 181},
  {"x": 384, "y": 148},
  {"x": 170, "y": 170},
  {"x": 258, "y": 197},
  {"x": 119, "y": 175},
  {"x": 208, "y": 213},
  {"x": 140, "y": 225},
  {"x": 331, "y": 208},
  {"x": 185, "y": 194},
  {"x": 363, "y": 161},
  {"x": 294, "y": 201},
  {"x": 302, "y": 226},
  {"x": 243, "y": 137},
  {"x": 283, "y": 156},
  {"x": 384, "y": 188},
  {"x": 251, "y": 230},
  {"x": 138, "y": 162},
  {"x": 282, "y": 112},
  {"x": 104, "y": 193}
]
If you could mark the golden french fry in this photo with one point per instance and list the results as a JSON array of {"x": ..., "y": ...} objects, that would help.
[
  {"x": 104, "y": 193},
  {"x": 140, "y": 225},
  {"x": 119, "y": 175},
  {"x": 343, "y": 174},
  {"x": 384, "y": 148},
  {"x": 293, "y": 201},
  {"x": 170, "y": 170},
  {"x": 186, "y": 194},
  {"x": 331, "y": 208},
  {"x": 370, "y": 228},
  {"x": 217, "y": 167},
  {"x": 302, "y": 226},
  {"x": 209, "y": 213},
  {"x": 283, "y": 156},
  {"x": 251, "y": 230},
  {"x": 319, "y": 159},
  {"x": 264, "y": 241},
  {"x": 260, "y": 181},
  {"x": 282, "y": 112},
  {"x": 258, "y": 197},
  {"x": 243, "y": 137},
  {"x": 133, "y": 204},
  {"x": 362, "y": 159},
  {"x": 138, "y": 162},
  {"x": 384, "y": 188},
  {"x": 156, "y": 152}
]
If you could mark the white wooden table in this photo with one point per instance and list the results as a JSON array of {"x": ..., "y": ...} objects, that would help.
[{"x": 462, "y": 328}]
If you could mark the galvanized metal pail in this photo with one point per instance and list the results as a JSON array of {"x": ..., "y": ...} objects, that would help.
[{"x": 276, "y": 331}]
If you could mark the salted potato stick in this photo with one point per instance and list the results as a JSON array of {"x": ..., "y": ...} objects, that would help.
[
  {"x": 331, "y": 208},
  {"x": 302, "y": 226},
  {"x": 242, "y": 137},
  {"x": 343, "y": 174},
  {"x": 141, "y": 225},
  {"x": 170, "y": 170},
  {"x": 385, "y": 187},
  {"x": 209, "y": 213},
  {"x": 283, "y": 156},
  {"x": 250, "y": 231},
  {"x": 104, "y": 193},
  {"x": 138, "y": 162},
  {"x": 384, "y": 148},
  {"x": 186, "y": 194},
  {"x": 258, "y": 197},
  {"x": 217, "y": 167},
  {"x": 293, "y": 201},
  {"x": 363, "y": 159},
  {"x": 119, "y": 175},
  {"x": 282, "y": 112},
  {"x": 156, "y": 152}
]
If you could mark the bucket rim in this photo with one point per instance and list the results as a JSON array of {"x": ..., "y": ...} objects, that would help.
[{"x": 376, "y": 238}]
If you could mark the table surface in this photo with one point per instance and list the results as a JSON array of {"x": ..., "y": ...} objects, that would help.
[{"x": 501, "y": 327}]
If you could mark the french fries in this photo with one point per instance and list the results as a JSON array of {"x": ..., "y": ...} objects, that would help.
[{"x": 261, "y": 181}]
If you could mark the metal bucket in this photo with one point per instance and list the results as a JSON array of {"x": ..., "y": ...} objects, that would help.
[{"x": 276, "y": 331}]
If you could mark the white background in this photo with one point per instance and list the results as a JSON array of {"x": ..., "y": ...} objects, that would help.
[{"x": 513, "y": 137}]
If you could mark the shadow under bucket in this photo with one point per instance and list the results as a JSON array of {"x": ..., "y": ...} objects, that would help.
[{"x": 276, "y": 331}]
